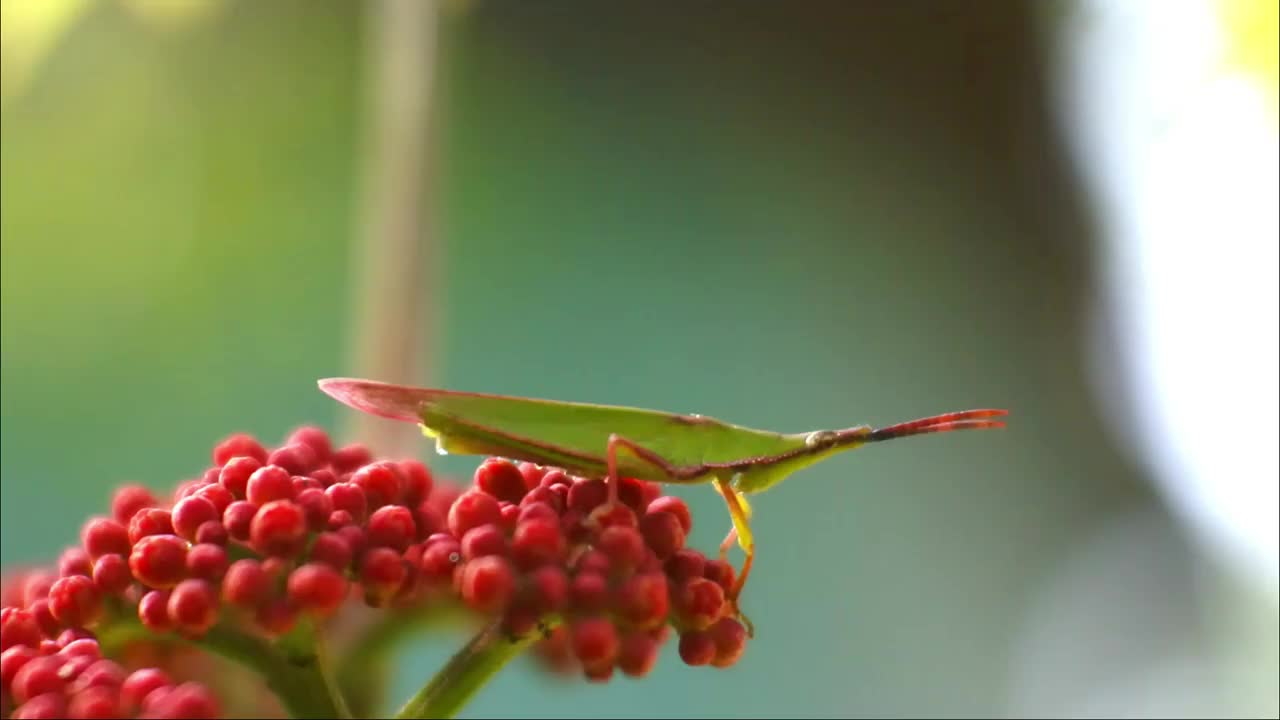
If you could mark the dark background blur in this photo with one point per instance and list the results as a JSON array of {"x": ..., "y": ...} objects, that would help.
[{"x": 791, "y": 216}]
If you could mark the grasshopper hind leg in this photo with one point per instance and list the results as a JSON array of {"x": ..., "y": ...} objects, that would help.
[{"x": 740, "y": 511}]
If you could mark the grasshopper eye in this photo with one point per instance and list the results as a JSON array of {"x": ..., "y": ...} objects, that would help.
[{"x": 820, "y": 438}]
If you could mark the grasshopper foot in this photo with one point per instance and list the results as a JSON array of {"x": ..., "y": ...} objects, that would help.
[{"x": 736, "y": 613}]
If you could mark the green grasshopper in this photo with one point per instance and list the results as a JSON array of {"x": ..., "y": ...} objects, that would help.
[{"x": 610, "y": 442}]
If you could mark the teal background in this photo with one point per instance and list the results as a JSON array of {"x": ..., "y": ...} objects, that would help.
[{"x": 792, "y": 217}]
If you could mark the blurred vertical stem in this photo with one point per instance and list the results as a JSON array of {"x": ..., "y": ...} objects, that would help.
[{"x": 395, "y": 254}]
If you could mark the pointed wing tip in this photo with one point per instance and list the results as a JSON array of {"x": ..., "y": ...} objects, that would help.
[{"x": 396, "y": 402}]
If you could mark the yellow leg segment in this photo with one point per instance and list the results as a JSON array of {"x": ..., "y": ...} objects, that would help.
[{"x": 740, "y": 511}]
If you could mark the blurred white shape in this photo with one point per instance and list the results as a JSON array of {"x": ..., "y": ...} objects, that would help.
[
  {"x": 1114, "y": 632},
  {"x": 1181, "y": 156}
]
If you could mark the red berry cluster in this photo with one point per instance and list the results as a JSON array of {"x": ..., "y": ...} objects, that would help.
[
  {"x": 69, "y": 678},
  {"x": 266, "y": 536},
  {"x": 530, "y": 543}
]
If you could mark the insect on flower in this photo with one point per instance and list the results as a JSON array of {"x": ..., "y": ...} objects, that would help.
[{"x": 613, "y": 442}]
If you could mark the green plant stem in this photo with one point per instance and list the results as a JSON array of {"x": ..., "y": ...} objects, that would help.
[
  {"x": 295, "y": 678},
  {"x": 465, "y": 673},
  {"x": 361, "y": 672}
]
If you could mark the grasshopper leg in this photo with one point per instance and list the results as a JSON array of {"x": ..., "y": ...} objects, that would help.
[
  {"x": 617, "y": 442},
  {"x": 741, "y": 514},
  {"x": 728, "y": 542}
]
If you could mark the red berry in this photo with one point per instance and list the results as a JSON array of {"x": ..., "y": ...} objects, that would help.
[
  {"x": 190, "y": 513},
  {"x": 318, "y": 588},
  {"x": 37, "y": 586},
  {"x": 238, "y": 519},
  {"x": 595, "y": 642},
  {"x": 697, "y": 648},
  {"x": 236, "y": 473},
  {"x": 12, "y": 660},
  {"x": 622, "y": 545},
  {"x": 355, "y": 537},
  {"x": 637, "y": 654},
  {"x": 380, "y": 482},
  {"x": 139, "y": 685},
  {"x": 277, "y": 616},
  {"x": 37, "y": 676},
  {"x": 587, "y": 495},
  {"x": 592, "y": 561},
  {"x": 573, "y": 528},
  {"x": 128, "y": 500},
  {"x": 548, "y": 589},
  {"x": 662, "y": 533},
  {"x": 543, "y": 495},
  {"x": 501, "y": 479},
  {"x": 193, "y": 606},
  {"x": 607, "y": 516},
  {"x": 633, "y": 494},
  {"x": 700, "y": 602},
  {"x": 381, "y": 572},
  {"x": 75, "y": 634},
  {"x": 149, "y": 521},
  {"x": 212, "y": 533},
  {"x": 187, "y": 489},
  {"x": 207, "y": 561},
  {"x": 554, "y": 477},
  {"x": 589, "y": 592},
  {"x": 642, "y": 600},
  {"x": 487, "y": 583},
  {"x": 43, "y": 616},
  {"x": 349, "y": 497},
  {"x": 303, "y": 483},
  {"x": 350, "y": 457},
  {"x": 538, "y": 510},
  {"x": 416, "y": 482},
  {"x": 339, "y": 519},
  {"x": 730, "y": 640},
  {"x": 297, "y": 459},
  {"x": 111, "y": 574},
  {"x": 75, "y": 602},
  {"x": 324, "y": 476},
  {"x": 75, "y": 561},
  {"x": 269, "y": 483},
  {"x": 428, "y": 519},
  {"x": 391, "y": 526},
  {"x": 440, "y": 558},
  {"x": 721, "y": 573},
  {"x": 189, "y": 700},
  {"x": 537, "y": 542},
  {"x": 532, "y": 474},
  {"x": 153, "y": 611},
  {"x": 93, "y": 703},
  {"x": 104, "y": 536},
  {"x": 315, "y": 438},
  {"x": 599, "y": 674},
  {"x": 473, "y": 509},
  {"x": 245, "y": 583},
  {"x": 159, "y": 561},
  {"x": 102, "y": 673},
  {"x": 331, "y": 549},
  {"x": 483, "y": 540},
  {"x": 49, "y": 706},
  {"x": 218, "y": 495},
  {"x": 279, "y": 528},
  {"x": 509, "y": 513},
  {"x": 236, "y": 445},
  {"x": 685, "y": 564},
  {"x": 317, "y": 506}
]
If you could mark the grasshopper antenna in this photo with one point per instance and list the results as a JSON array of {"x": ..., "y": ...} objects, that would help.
[{"x": 963, "y": 420}]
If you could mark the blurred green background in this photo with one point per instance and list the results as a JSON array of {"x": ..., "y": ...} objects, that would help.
[{"x": 788, "y": 216}]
